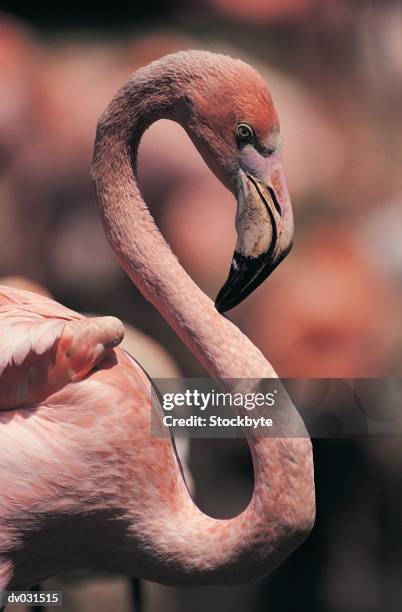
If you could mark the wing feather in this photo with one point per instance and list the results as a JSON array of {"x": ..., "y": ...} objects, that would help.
[{"x": 44, "y": 346}]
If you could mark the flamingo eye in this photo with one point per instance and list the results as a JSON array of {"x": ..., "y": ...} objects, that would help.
[{"x": 244, "y": 132}]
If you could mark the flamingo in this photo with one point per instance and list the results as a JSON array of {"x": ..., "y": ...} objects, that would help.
[
  {"x": 83, "y": 483},
  {"x": 158, "y": 364}
]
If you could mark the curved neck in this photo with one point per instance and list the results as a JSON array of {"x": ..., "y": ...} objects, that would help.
[
  {"x": 216, "y": 342},
  {"x": 281, "y": 510}
]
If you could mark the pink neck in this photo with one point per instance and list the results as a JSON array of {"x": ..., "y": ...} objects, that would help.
[
  {"x": 216, "y": 342},
  {"x": 276, "y": 518}
]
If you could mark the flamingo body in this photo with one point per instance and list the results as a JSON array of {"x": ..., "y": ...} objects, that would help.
[
  {"x": 83, "y": 481},
  {"x": 67, "y": 461}
]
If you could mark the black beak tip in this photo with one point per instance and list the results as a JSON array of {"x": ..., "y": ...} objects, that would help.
[
  {"x": 228, "y": 298},
  {"x": 220, "y": 307},
  {"x": 245, "y": 276},
  {"x": 220, "y": 303}
]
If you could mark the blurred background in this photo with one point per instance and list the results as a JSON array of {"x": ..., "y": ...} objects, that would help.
[{"x": 333, "y": 307}]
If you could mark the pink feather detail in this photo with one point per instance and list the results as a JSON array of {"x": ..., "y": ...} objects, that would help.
[{"x": 44, "y": 346}]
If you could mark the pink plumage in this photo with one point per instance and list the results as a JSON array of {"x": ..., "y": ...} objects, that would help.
[
  {"x": 44, "y": 345},
  {"x": 83, "y": 482}
]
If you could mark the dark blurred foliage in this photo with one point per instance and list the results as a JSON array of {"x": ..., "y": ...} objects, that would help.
[{"x": 333, "y": 308}]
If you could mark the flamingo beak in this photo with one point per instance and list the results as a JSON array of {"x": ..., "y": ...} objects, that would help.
[{"x": 264, "y": 224}]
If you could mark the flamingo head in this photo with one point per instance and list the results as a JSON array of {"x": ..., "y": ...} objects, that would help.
[{"x": 230, "y": 116}]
